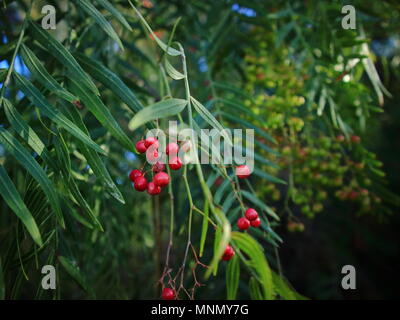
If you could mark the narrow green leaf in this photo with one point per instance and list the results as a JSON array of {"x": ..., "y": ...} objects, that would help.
[
  {"x": 74, "y": 271},
  {"x": 93, "y": 159},
  {"x": 282, "y": 288},
  {"x": 232, "y": 278},
  {"x": 249, "y": 196},
  {"x": 110, "y": 80},
  {"x": 20, "y": 154},
  {"x": 204, "y": 228},
  {"x": 162, "y": 45},
  {"x": 172, "y": 72},
  {"x": 159, "y": 110},
  {"x": 102, "y": 114},
  {"x": 118, "y": 15},
  {"x": 41, "y": 75},
  {"x": 257, "y": 261},
  {"x": 11, "y": 196},
  {"x": 224, "y": 236},
  {"x": 54, "y": 114},
  {"x": 25, "y": 131},
  {"x": 207, "y": 116},
  {"x": 267, "y": 176},
  {"x": 58, "y": 51},
  {"x": 255, "y": 290},
  {"x": 100, "y": 20}
]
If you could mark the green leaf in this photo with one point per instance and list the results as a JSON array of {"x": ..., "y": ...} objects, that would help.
[
  {"x": 53, "y": 114},
  {"x": 257, "y": 261},
  {"x": 232, "y": 278},
  {"x": 255, "y": 290},
  {"x": 20, "y": 154},
  {"x": 73, "y": 270},
  {"x": 68, "y": 179},
  {"x": 41, "y": 75},
  {"x": 207, "y": 116},
  {"x": 11, "y": 196},
  {"x": 159, "y": 110},
  {"x": 110, "y": 80},
  {"x": 282, "y": 288},
  {"x": 57, "y": 50},
  {"x": 249, "y": 196},
  {"x": 224, "y": 236},
  {"x": 249, "y": 125},
  {"x": 172, "y": 72},
  {"x": 101, "y": 112},
  {"x": 162, "y": 45},
  {"x": 110, "y": 8},
  {"x": 93, "y": 159},
  {"x": 25, "y": 131},
  {"x": 267, "y": 176},
  {"x": 204, "y": 228},
  {"x": 100, "y": 20}
]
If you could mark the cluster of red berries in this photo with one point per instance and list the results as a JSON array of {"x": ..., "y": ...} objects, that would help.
[
  {"x": 161, "y": 178},
  {"x": 250, "y": 219}
]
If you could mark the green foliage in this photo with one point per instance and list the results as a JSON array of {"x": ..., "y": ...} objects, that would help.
[{"x": 99, "y": 81}]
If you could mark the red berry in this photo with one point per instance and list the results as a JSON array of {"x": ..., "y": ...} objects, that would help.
[
  {"x": 172, "y": 148},
  {"x": 353, "y": 195},
  {"x": 140, "y": 183},
  {"x": 355, "y": 139},
  {"x": 242, "y": 171},
  {"x": 251, "y": 214},
  {"x": 340, "y": 138},
  {"x": 153, "y": 189},
  {"x": 135, "y": 174},
  {"x": 141, "y": 147},
  {"x": 255, "y": 223},
  {"x": 158, "y": 167},
  {"x": 168, "y": 294},
  {"x": 175, "y": 163},
  {"x": 152, "y": 154},
  {"x": 243, "y": 223},
  {"x": 149, "y": 141},
  {"x": 228, "y": 253},
  {"x": 161, "y": 179}
]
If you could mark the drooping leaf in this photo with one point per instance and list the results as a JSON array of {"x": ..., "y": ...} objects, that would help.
[
  {"x": 256, "y": 260},
  {"x": 11, "y": 196},
  {"x": 41, "y": 75},
  {"x": 172, "y": 72},
  {"x": 110, "y": 80},
  {"x": 93, "y": 159},
  {"x": 73, "y": 270},
  {"x": 25, "y": 131},
  {"x": 232, "y": 278},
  {"x": 54, "y": 114},
  {"x": 207, "y": 116},
  {"x": 20, "y": 154},
  {"x": 204, "y": 228},
  {"x": 91, "y": 10},
  {"x": 162, "y": 45},
  {"x": 58, "y": 51},
  {"x": 102, "y": 114},
  {"x": 118, "y": 15},
  {"x": 158, "y": 110},
  {"x": 224, "y": 236}
]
